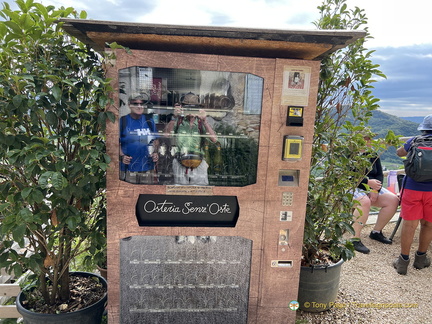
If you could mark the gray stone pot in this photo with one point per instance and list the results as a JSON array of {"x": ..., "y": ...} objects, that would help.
[{"x": 318, "y": 287}]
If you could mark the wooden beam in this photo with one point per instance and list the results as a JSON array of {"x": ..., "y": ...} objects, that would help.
[
  {"x": 9, "y": 289},
  {"x": 9, "y": 311}
]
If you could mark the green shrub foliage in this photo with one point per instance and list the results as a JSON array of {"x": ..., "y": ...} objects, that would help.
[
  {"x": 339, "y": 152},
  {"x": 53, "y": 94}
]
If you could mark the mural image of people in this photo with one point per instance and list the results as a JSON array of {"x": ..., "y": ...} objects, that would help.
[
  {"x": 189, "y": 164},
  {"x": 138, "y": 143},
  {"x": 164, "y": 164},
  {"x": 169, "y": 118}
]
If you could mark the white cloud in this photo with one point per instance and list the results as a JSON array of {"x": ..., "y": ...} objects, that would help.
[
  {"x": 391, "y": 22},
  {"x": 420, "y": 56},
  {"x": 239, "y": 13},
  {"x": 398, "y": 27},
  {"x": 397, "y": 22}
]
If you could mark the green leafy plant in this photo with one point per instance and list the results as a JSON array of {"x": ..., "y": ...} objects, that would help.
[
  {"x": 339, "y": 151},
  {"x": 53, "y": 94}
]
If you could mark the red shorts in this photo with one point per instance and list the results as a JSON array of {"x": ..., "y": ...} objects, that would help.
[{"x": 416, "y": 205}]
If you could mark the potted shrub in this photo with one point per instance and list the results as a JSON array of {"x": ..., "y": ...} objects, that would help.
[
  {"x": 344, "y": 106},
  {"x": 53, "y": 94}
]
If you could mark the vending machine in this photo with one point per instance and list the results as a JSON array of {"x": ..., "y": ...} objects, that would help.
[{"x": 207, "y": 187}]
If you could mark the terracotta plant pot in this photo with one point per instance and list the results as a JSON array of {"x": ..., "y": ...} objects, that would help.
[{"x": 103, "y": 272}]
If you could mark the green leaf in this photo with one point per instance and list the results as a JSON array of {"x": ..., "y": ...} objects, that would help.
[
  {"x": 28, "y": 22},
  {"x": 18, "y": 232},
  {"x": 4, "y": 259},
  {"x": 13, "y": 26},
  {"x": 17, "y": 101},
  {"x": 3, "y": 30},
  {"x": 44, "y": 179},
  {"x": 37, "y": 196},
  {"x": 56, "y": 92},
  {"x": 72, "y": 223},
  {"x": 102, "y": 118},
  {"x": 94, "y": 154},
  {"x": 52, "y": 118},
  {"x": 25, "y": 214},
  {"x": 58, "y": 181},
  {"x": 17, "y": 270},
  {"x": 110, "y": 116},
  {"x": 26, "y": 192}
]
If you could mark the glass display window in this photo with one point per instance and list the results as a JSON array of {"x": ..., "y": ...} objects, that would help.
[{"x": 189, "y": 127}]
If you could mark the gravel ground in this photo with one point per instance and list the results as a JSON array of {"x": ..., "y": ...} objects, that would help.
[{"x": 372, "y": 292}]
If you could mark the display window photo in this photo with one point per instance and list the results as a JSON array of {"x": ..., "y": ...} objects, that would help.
[{"x": 189, "y": 127}]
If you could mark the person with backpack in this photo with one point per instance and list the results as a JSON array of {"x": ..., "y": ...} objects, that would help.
[
  {"x": 416, "y": 200},
  {"x": 189, "y": 132},
  {"x": 138, "y": 144}
]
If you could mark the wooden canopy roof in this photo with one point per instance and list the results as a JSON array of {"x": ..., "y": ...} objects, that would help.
[{"x": 267, "y": 43}]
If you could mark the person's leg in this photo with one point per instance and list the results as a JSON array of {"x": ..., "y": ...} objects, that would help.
[
  {"x": 421, "y": 260},
  {"x": 361, "y": 214},
  {"x": 412, "y": 211},
  {"x": 388, "y": 203},
  {"x": 407, "y": 235},
  {"x": 425, "y": 237}
]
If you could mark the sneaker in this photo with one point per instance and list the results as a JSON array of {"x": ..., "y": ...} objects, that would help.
[
  {"x": 359, "y": 247},
  {"x": 401, "y": 265},
  {"x": 380, "y": 237},
  {"x": 421, "y": 261}
]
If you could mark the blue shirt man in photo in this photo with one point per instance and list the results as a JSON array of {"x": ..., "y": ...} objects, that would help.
[{"x": 138, "y": 143}]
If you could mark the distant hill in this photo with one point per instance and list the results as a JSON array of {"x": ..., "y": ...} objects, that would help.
[
  {"x": 416, "y": 119},
  {"x": 381, "y": 122}
]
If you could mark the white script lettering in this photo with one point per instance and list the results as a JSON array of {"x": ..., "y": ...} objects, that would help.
[
  {"x": 168, "y": 207},
  {"x": 163, "y": 207},
  {"x": 188, "y": 208},
  {"x": 215, "y": 209}
]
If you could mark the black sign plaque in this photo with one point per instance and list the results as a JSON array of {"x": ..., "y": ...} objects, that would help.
[{"x": 188, "y": 211}]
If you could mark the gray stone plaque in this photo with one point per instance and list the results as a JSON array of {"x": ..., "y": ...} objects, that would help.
[{"x": 184, "y": 279}]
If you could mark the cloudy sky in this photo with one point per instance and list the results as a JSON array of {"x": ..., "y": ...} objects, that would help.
[{"x": 401, "y": 32}]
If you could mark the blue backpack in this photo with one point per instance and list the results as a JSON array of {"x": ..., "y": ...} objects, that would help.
[{"x": 418, "y": 163}]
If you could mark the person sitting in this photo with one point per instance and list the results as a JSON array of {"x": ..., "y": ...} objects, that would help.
[{"x": 371, "y": 193}]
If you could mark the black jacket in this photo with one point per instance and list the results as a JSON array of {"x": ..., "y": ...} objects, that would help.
[{"x": 375, "y": 172}]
